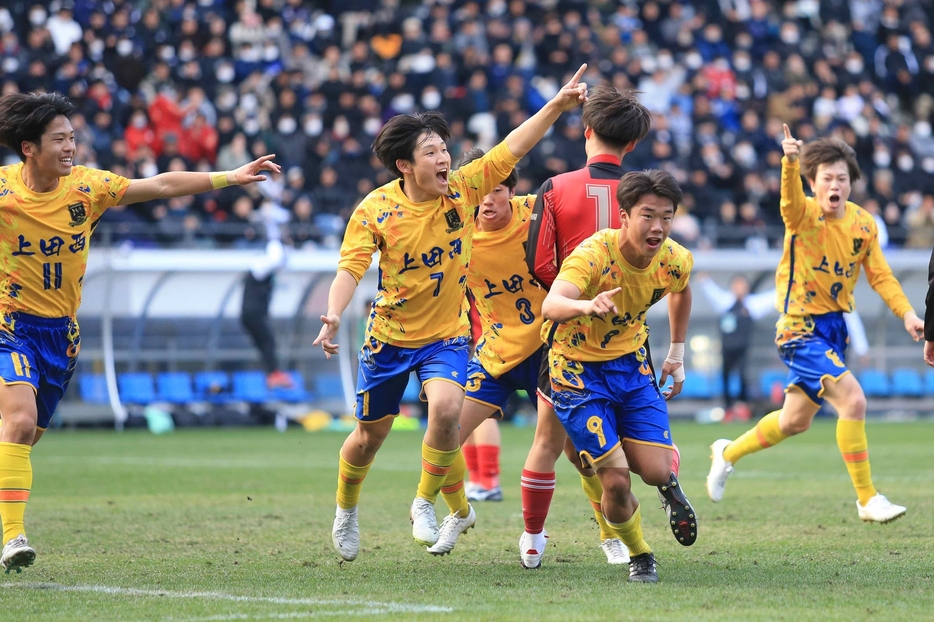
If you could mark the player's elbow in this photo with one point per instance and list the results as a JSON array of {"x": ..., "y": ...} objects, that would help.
[{"x": 551, "y": 309}]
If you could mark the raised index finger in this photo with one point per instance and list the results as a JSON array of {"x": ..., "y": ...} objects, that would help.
[
  {"x": 577, "y": 76},
  {"x": 787, "y": 131}
]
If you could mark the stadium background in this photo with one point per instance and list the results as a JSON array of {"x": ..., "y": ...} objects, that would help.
[{"x": 205, "y": 84}]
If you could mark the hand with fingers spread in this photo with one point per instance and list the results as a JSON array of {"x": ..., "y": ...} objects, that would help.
[
  {"x": 328, "y": 333},
  {"x": 791, "y": 146},
  {"x": 574, "y": 93},
  {"x": 603, "y": 304},
  {"x": 250, "y": 173}
]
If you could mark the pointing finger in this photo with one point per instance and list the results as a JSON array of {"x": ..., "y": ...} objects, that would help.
[
  {"x": 787, "y": 131},
  {"x": 577, "y": 76}
]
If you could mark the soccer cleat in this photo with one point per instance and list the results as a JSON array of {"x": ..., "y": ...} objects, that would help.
[
  {"x": 451, "y": 527},
  {"x": 478, "y": 493},
  {"x": 681, "y": 516},
  {"x": 532, "y": 549},
  {"x": 469, "y": 488},
  {"x": 642, "y": 569},
  {"x": 880, "y": 510},
  {"x": 424, "y": 522},
  {"x": 346, "y": 533},
  {"x": 17, "y": 554},
  {"x": 720, "y": 469},
  {"x": 616, "y": 551},
  {"x": 279, "y": 380}
]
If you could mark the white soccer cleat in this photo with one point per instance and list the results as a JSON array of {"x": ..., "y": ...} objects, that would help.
[
  {"x": 424, "y": 522},
  {"x": 346, "y": 533},
  {"x": 616, "y": 551},
  {"x": 17, "y": 554},
  {"x": 720, "y": 470},
  {"x": 532, "y": 549},
  {"x": 451, "y": 527},
  {"x": 880, "y": 510}
]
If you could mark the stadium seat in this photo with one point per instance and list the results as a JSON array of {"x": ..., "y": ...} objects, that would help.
[
  {"x": 136, "y": 388},
  {"x": 907, "y": 382},
  {"x": 875, "y": 383},
  {"x": 697, "y": 386},
  {"x": 767, "y": 380},
  {"x": 250, "y": 386},
  {"x": 212, "y": 386},
  {"x": 412, "y": 390},
  {"x": 175, "y": 387},
  {"x": 93, "y": 388},
  {"x": 929, "y": 381},
  {"x": 329, "y": 386},
  {"x": 297, "y": 393}
]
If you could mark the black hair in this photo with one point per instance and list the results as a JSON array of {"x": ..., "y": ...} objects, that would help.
[
  {"x": 24, "y": 117},
  {"x": 399, "y": 137}
]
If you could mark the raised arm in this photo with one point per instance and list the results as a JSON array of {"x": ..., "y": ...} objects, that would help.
[
  {"x": 793, "y": 204},
  {"x": 521, "y": 140},
  {"x": 184, "y": 183}
]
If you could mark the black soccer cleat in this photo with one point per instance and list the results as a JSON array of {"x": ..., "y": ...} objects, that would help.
[
  {"x": 681, "y": 516},
  {"x": 642, "y": 569}
]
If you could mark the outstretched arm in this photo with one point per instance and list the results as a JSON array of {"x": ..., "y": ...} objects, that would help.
[{"x": 184, "y": 183}]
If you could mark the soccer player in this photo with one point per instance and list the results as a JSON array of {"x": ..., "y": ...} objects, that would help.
[
  {"x": 570, "y": 208},
  {"x": 827, "y": 241},
  {"x": 422, "y": 224},
  {"x": 602, "y": 384},
  {"x": 49, "y": 207}
]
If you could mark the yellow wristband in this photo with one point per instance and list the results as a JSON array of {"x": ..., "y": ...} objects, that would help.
[{"x": 219, "y": 180}]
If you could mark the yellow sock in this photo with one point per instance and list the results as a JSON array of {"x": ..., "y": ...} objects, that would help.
[
  {"x": 851, "y": 439},
  {"x": 435, "y": 467},
  {"x": 765, "y": 434},
  {"x": 630, "y": 532},
  {"x": 594, "y": 491},
  {"x": 15, "y": 483},
  {"x": 452, "y": 491},
  {"x": 349, "y": 482}
]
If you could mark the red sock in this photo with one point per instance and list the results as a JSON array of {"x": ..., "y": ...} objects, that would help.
[
  {"x": 675, "y": 460},
  {"x": 488, "y": 460},
  {"x": 470, "y": 455},
  {"x": 537, "y": 491}
]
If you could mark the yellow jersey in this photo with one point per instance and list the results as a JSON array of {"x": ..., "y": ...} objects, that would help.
[
  {"x": 821, "y": 260},
  {"x": 597, "y": 265},
  {"x": 424, "y": 253},
  {"x": 44, "y": 239},
  {"x": 507, "y": 296}
]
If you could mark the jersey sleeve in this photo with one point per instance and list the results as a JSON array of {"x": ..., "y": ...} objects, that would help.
[
  {"x": 540, "y": 250},
  {"x": 107, "y": 189},
  {"x": 681, "y": 270},
  {"x": 794, "y": 205},
  {"x": 881, "y": 279},
  {"x": 476, "y": 179},
  {"x": 361, "y": 240},
  {"x": 583, "y": 266}
]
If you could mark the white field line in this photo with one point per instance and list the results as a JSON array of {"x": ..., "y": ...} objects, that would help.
[
  {"x": 209, "y": 463},
  {"x": 364, "y": 607}
]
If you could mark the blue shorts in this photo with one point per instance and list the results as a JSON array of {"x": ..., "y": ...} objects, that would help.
[
  {"x": 384, "y": 371},
  {"x": 619, "y": 401},
  {"x": 41, "y": 352},
  {"x": 822, "y": 355},
  {"x": 495, "y": 392}
]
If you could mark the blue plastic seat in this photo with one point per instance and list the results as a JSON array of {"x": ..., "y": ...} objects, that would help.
[
  {"x": 875, "y": 383},
  {"x": 929, "y": 381},
  {"x": 175, "y": 387},
  {"x": 697, "y": 386},
  {"x": 93, "y": 388},
  {"x": 906, "y": 382},
  {"x": 412, "y": 390},
  {"x": 329, "y": 386},
  {"x": 212, "y": 386},
  {"x": 136, "y": 388},
  {"x": 297, "y": 393},
  {"x": 250, "y": 386}
]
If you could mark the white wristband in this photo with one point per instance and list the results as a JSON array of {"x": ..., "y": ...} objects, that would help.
[{"x": 675, "y": 356}]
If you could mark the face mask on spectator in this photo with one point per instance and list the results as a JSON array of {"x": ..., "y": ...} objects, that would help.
[
  {"x": 665, "y": 61},
  {"x": 745, "y": 155},
  {"x": 905, "y": 163},
  {"x": 225, "y": 74},
  {"x": 314, "y": 126},
  {"x": 226, "y": 101},
  {"x": 742, "y": 63},
  {"x": 790, "y": 35},
  {"x": 148, "y": 169},
  {"x": 341, "y": 128},
  {"x": 742, "y": 91},
  {"x": 693, "y": 60},
  {"x": 431, "y": 100},
  {"x": 139, "y": 121},
  {"x": 882, "y": 158},
  {"x": 270, "y": 52},
  {"x": 927, "y": 164},
  {"x": 923, "y": 129},
  {"x": 96, "y": 49},
  {"x": 167, "y": 53},
  {"x": 251, "y": 126},
  {"x": 287, "y": 125},
  {"x": 372, "y": 126},
  {"x": 10, "y": 64},
  {"x": 403, "y": 103},
  {"x": 249, "y": 103},
  {"x": 854, "y": 66},
  {"x": 124, "y": 47},
  {"x": 37, "y": 16}
]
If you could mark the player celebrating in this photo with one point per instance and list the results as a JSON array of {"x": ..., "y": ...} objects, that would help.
[
  {"x": 422, "y": 225},
  {"x": 48, "y": 208},
  {"x": 827, "y": 241},
  {"x": 602, "y": 383}
]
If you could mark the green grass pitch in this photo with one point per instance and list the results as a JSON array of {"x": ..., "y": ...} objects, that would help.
[{"x": 235, "y": 525}]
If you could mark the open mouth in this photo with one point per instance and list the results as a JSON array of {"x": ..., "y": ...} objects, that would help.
[
  {"x": 442, "y": 176},
  {"x": 834, "y": 199},
  {"x": 66, "y": 161},
  {"x": 653, "y": 242}
]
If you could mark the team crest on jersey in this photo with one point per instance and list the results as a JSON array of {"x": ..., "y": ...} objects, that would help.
[
  {"x": 657, "y": 295},
  {"x": 78, "y": 213},
  {"x": 857, "y": 245},
  {"x": 454, "y": 221}
]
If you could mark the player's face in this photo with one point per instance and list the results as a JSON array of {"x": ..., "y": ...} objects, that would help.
[
  {"x": 54, "y": 155},
  {"x": 647, "y": 226},
  {"x": 495, "y": 211},
  {"x": 831, "y": 187},
  {"x": 430, "y": 166}
]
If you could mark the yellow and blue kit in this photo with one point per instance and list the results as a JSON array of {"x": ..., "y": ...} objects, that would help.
[
  {"x": 44, "y": 253},
  {"x": 421, "y": 299},
  {"x": 602, "y": 384},
  {"x": 821, "y": 261},
  {"x": 509, "y": 303}
]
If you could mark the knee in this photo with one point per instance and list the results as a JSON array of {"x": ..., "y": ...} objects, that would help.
[
  {"x": 19, "y": 426},
  {"x": 369, "y": 439},
  {"x": 856, "y": 405},
  {"x": 617, "y": 484},
  {"x": 445, "y": 413},
  {"x": 794, "y": 426}
]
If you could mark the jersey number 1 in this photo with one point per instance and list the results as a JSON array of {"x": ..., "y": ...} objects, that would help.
[
  {"x": 47, "y": 280},
  {"x": 601, "y": 195}
]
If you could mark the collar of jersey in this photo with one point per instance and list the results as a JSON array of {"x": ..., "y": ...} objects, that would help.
[{"x": 604, "y": 157}]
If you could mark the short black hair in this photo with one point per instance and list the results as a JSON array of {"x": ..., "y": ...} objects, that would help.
[
  {"x": 24, "y": 117},
  {"x": 633, "y": 186},
  {"x": 399, "y": 137},
  {"x": 616, "y": 117},
  {"x": 476, "y": 153}
]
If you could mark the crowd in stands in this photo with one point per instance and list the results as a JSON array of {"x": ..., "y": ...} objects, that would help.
[{"x": 209, "y": 84}]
